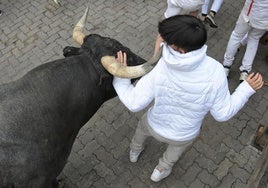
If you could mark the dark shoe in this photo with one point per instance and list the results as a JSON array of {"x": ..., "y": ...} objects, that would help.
[
  {"x": 210, "y": 20},
  {"x": 227, "y": 70}
]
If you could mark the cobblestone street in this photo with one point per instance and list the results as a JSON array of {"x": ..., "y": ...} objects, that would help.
[{"x": 35, "y": 32}]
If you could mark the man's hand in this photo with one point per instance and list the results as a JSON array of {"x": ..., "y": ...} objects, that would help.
[
  {"x": 158, "y": 41},
  {"x": 255, "y": 81},
  {"x": 122, "y": 58}
]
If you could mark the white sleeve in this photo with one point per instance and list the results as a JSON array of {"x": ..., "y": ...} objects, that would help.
[
  {"x": 226, "y": 105},
  {"x": 137, "y": 97}
]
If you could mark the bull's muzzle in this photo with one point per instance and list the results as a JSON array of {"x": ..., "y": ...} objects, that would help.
[{"x": 116, "y": 69}]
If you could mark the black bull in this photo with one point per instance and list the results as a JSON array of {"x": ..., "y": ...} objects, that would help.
[{"x": 42, "y": 112}]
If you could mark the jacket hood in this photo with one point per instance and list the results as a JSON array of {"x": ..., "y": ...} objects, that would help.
[{"x": 183, "y": 62}]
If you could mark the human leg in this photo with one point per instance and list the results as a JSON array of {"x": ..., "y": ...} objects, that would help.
[
  {"x": 240, "y": 30},
  {"x": 170, "y": 157},
  {"x": 244, "y": 40},
  {"x": 172, "y": 154},
  {"x": 141, "y": 133},
  {"x": 216, "y": 5},
  {"x": 253, "y": 38},
  {"x": 204, "y": 10},
  {"x": 213, "y": 11}
]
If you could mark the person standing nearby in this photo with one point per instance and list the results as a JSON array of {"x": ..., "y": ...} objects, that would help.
[
  {"x": 184, "y": 85},
  {"x": 253, "y": 21}
]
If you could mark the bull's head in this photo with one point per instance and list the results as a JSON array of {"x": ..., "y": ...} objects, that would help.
[{"x": 109, "y": 62}]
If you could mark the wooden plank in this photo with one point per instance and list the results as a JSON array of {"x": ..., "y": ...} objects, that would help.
[{"x": 262, "y": 162}]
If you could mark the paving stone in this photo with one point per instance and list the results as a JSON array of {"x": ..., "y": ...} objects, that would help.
[
  {"x": 208, "y": 179},
  {"x": 232, "y": 143},
  {"x": 89, "y": 149},
  {"x": 72, "y": 173},
  {"x": 237, "y": 158},
  {"x": 180, "y": 184},
  {"x": 121, "y": 149},
  {"x": 197, "y": 184},
  {"x": 191, "y": 174},
  {"x": 188, "y": 158},
  {"x": 104, "y": 156},
  {"x": 223, "y": 169},
  {"x": 88, "y": 179},
  {"x": 101, "y": 183},
  {"x": 239, "y": 184},
  {"x": 206, "y": 163},
  {"x": 205, "y": 149},
  {"x": 239, "y": 173},
  {"x": 136, "y": 182},
  {"x": 34, "y": 32},
  {"x": 227, "y": 181},
  {"x": 122, "y": 179}
]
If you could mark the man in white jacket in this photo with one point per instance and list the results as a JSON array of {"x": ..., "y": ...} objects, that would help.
[
  {"x": 253, "y": 21},
  {"x": 185, "y": 85}
]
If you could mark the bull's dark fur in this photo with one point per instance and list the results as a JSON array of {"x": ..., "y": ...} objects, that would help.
[{"x": 42, "y": 112}]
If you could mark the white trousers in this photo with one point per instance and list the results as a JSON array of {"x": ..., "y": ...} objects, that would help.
[
  {"x": 216, "y": 5},
  {"x": 179, "y": 7},
  {"x": 241, "y": 29},
  {"x": 173, "y": 151}
]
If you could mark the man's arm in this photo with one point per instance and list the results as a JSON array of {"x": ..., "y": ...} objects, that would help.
[
  {"x": 226, "y": 105},
  {"x": 137, "y": 97}
]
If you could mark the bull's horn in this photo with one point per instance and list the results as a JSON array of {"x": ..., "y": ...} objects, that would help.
[
  {"x": 114, "y": 68},
  {"x": 78, "y": 34},
  {"x": 57, "y": 2}
]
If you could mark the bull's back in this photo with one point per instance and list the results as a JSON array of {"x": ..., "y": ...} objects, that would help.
[{"x": 40, "y": 116}]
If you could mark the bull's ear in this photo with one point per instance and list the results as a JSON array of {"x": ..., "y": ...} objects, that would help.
[{"x": 114, "y": 68}]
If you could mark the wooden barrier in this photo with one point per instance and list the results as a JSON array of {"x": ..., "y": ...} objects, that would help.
[{"x": 261, "y": 142}]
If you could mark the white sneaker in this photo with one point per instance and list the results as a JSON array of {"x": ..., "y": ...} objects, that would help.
[
  {"x": 243, "y": 75},
  {"x": 133, "y": 156},
  {"x": 158, "y": 175},
  {"x": 227, "y": 70}
]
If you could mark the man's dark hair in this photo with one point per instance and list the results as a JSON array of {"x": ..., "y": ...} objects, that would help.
[{"x": 183, "y": 31}]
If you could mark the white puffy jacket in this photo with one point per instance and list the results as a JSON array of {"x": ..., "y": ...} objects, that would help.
[{"x": 184, "y": 87}]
